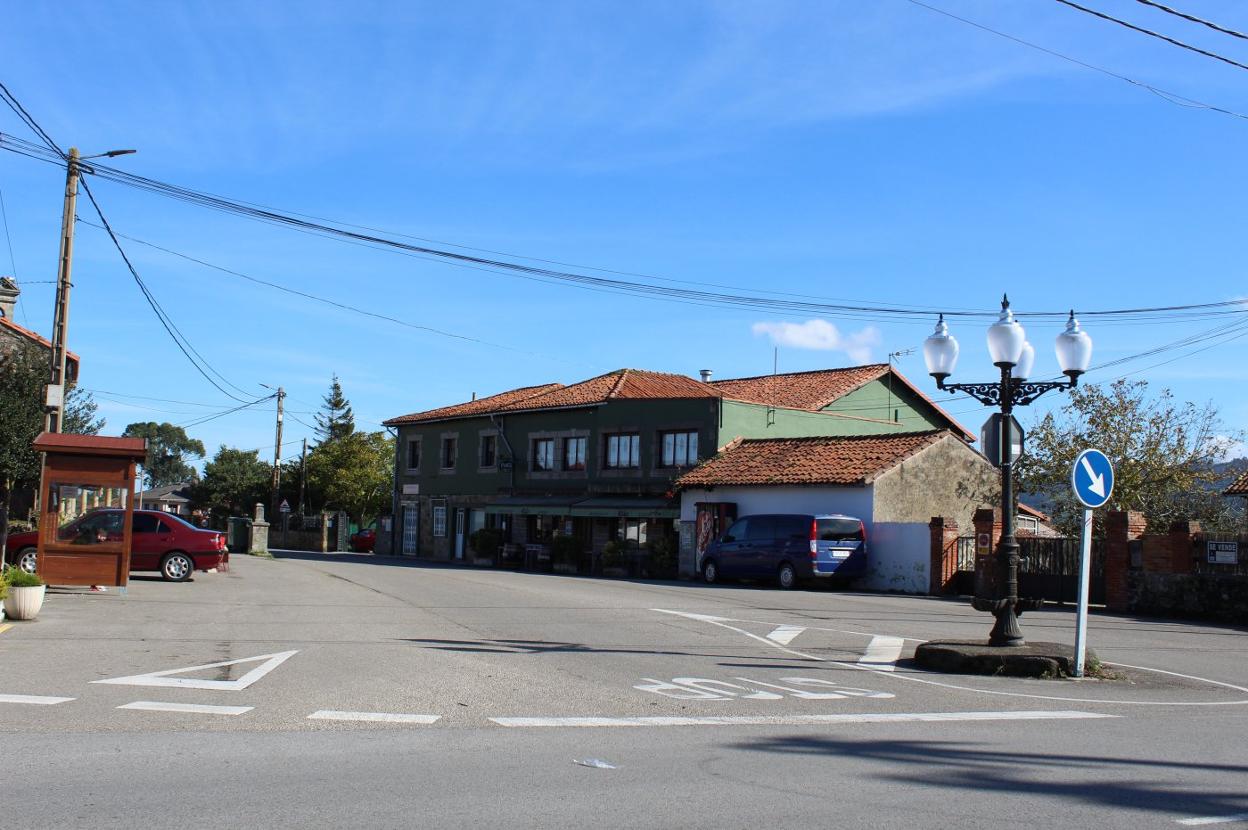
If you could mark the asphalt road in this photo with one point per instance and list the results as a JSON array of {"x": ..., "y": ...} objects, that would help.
[{"x": 383, "y": 693}]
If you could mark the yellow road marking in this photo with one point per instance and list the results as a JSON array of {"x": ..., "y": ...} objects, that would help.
[{"x": 4, "y": 627}]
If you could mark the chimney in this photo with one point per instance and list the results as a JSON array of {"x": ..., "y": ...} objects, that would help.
[
  {"x": 706, "y": 375},
  {"x": 474, "y": 396},
  {"x": 8, "y": 296}
]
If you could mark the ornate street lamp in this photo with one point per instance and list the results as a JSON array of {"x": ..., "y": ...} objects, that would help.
[{"x": 1010, "y": 351}]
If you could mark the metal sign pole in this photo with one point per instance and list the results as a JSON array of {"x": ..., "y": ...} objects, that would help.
[{"x": 1081, "y": 614}]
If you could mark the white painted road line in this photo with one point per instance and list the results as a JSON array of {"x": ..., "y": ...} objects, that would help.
[
  {"x": 163, "y": 679},
  {"x": 193, "y": 708},
  {"x": 1198, "y": 822},
  {"x": 882, "y": 653},
  {"x": 801, "y": 720},
  {"x": 38, "y": 700},
  {"x": 784, "y": 634},
  {"x": 373, "y": 717}
]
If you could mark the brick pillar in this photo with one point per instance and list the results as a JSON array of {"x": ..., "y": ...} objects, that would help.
[
  {"x": 988, "y": 520},
  {"x": 944, "y": 554},
  {"x": 1121, "y": 529},
  {"x": 1180, "y": 538}
]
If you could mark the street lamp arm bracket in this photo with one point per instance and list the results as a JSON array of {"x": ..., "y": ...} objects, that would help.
[{"x": 1022, "y": 392}]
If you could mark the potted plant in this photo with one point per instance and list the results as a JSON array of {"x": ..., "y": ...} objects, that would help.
[
  {"x": 662, "y": 560},
  {"x": 614, "y": 559},
  {"x": 25, "y": 594},
  {"x": 486, "y": 544},
  {"x": 564, "y": 553},
  {"x": 4, "y": 592}
]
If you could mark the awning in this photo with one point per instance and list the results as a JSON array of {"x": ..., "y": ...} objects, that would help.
[
  {"x": 622, "y": 507},
  {"x": 532, "y": 505}
]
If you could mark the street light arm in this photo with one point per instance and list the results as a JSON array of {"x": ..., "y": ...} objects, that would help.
[{"x": 1022, "y": 392}]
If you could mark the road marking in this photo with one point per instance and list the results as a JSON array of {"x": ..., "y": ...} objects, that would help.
[
  {"x": 163, "y": 679},
  {"x": 38, "y": 700},
  {"x": 1197, "y": 822},
  {"x": 801, "y": 720},
  {"x": 784, "y": 634},
  {"x": 374, "y": 717},
  {"x": 194, "y": 708},
  {"x": 5, "y": 627},
  {"x": 701, "y": 688},
  {"x": 882, "y": 653}
]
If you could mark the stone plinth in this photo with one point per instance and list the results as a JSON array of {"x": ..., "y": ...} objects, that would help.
[{"x": 1050, "y": 660}]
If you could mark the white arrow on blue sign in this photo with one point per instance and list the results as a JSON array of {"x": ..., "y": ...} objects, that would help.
[{"x": 1093, "y": 478}]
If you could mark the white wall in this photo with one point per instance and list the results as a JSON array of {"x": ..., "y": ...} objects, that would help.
[
  {"x": 899, "y": 552},
  {"x": 852, "y": 501},
  {"x": 899, "y": 556}
]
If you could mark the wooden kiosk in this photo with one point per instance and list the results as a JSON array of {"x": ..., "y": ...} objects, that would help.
[{"x": 80, "y": 474}]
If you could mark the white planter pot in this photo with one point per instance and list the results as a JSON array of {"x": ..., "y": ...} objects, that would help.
[{"x": 24, "y": 603}]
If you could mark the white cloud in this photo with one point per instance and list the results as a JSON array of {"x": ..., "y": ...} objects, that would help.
[{"x": 823, "y": 336}]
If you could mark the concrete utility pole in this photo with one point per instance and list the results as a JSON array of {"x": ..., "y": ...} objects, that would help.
[
  {"x": 277, "y": 457},
  {"x": 55, "y": 401},
  {"x": 303, "y": 474}
]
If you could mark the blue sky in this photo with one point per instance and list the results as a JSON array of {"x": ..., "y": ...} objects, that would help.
[{"x": 875, "y": 151}]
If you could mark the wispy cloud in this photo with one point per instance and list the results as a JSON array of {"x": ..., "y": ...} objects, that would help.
[{"x": 822, "y": 336}]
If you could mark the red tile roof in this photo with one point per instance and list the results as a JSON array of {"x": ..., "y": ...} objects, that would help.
[
  {"x": 622, "y": 384},
  {"x": 800, "y": 390},
  {"x": 5, "y": 322},
  {"x": 481, "y": 406},
  {"x": 1239, "y": 487},
  {"x": 846, "y": 460}
]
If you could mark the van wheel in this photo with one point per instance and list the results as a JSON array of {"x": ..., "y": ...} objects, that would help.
[
  {"x": 710, "y": 572},
  {"x": 786, "y": 577}
]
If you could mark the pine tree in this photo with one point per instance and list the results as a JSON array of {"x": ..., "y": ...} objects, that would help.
[{"x": 335, "y": 420}]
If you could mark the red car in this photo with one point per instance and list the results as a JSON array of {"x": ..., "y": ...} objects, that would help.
[
  {"x": 364, "y": 540},
  {"x": 159, "y": 542}
]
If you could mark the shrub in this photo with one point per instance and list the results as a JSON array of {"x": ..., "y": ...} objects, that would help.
[
  {"x": 663, "y": 553},
  {"x": 565, "y": 549},
  {"x": 614, "y": 554},
  {"x": 486, "y": 541},
  {"x": 17, "y": 578}
]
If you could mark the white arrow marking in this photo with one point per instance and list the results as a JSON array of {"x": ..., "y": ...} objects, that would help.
[
  {"x": 1097, "y": 487},
  {"x": 784, "y": 634},
  {"x": 162, "y": 678},
  {"x": 882, "y": 653}
]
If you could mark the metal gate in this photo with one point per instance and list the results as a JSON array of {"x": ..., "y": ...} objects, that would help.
[{"x": 1048, "y": 567}]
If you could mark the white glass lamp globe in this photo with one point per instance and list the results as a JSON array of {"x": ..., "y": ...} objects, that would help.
[
  {"x": 1074, "y": 349},
  {"x": 1006, "y": 338},
  {"x": 940, "y": 351},
  {"x": 1026, "y": 361}
]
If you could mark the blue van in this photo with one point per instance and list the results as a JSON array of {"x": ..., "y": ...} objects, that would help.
[{"x": 789, "y": 548}]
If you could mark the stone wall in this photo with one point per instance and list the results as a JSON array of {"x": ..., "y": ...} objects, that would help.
[{"x": 1196, "y": 595}]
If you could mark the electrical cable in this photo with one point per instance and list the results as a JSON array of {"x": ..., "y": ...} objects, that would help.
[
  {"x": 1194, "y": 19},
  {"x": 1164, "y": 94},
  {"x": 180, "y": 340},
  {"x": 207, "y": 418},
  {"x": 1151, "y": 33},
  {"x": 4, "y": 213}
]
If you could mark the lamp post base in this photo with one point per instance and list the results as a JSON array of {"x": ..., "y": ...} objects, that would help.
[{"x": 1006, "y": 631}]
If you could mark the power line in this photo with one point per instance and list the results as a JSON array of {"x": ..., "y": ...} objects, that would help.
[
  {"x": 1151, "y": 33},
  {"x": 4, "y": 213},
  {"x": 1194, "y": 19},
  {"x": 178, "y": 338},
  {"x": 207, "y": 418},
  {"x": 1165, "y": 95}
]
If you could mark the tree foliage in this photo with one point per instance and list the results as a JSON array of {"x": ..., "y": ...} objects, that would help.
[
  {"x": 1163, "y": 453},
  {"x": 233, "y": 482},
  {"x": 23, "y": 375},
  {"x": 354, "y": 473},
  {"x": 169, "y": 452},
  {"x": 335, "y": 420},
  {"x": 80, "y": 411}
]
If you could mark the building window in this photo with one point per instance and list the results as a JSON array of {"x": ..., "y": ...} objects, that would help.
[
  {"x": 413, "y": 453},
  {"x": 623, "y": 451},
  {"x": 448, "y": 453},
  {"x": 439, "y": 518},
  {"x": 489, "y": 450},
  {"x": 543, "y": 454},
  {"x": 680, "y": 449},
  {"x": 573, "y": 453}
]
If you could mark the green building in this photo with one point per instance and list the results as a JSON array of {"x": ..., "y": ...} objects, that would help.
[{"x": 596, "y": 460}]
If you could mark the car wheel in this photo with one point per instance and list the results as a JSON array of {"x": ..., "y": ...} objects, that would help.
[
  {"x": 786, "y": 577},
  {"x": 28, "y": 559},
  {"x": 710, "y": 572},
  {"x": 176, "y": 567}
]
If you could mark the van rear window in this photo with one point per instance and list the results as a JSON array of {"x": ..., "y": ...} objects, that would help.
[{"x": 838, "y": 530}]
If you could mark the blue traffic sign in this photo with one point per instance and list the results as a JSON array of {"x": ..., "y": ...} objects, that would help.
[{"x": 1093, "y": 478}]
